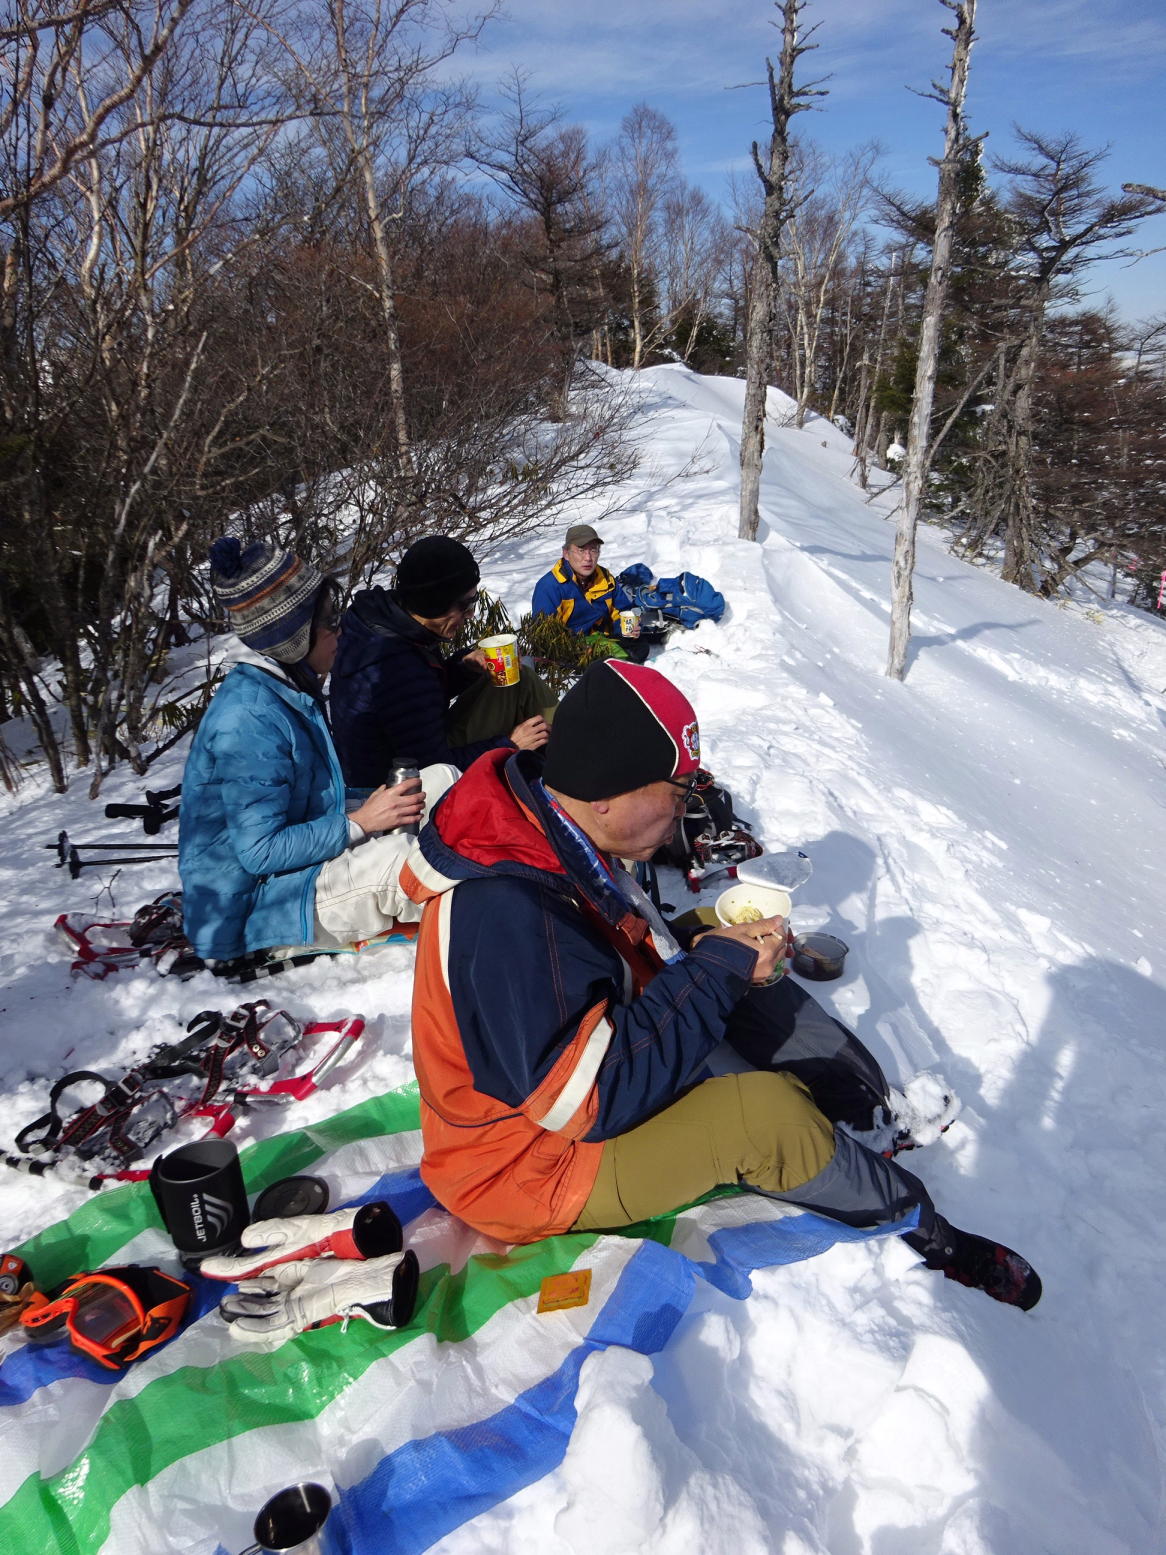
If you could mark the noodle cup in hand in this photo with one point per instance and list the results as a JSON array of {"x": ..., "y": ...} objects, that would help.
[{"x": 743, "y": 903}]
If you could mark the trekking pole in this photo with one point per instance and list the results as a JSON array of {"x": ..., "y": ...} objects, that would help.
[
  {"x": 77, "y": 863},
  {"x": 65, "y": 849},
  {"x": 157, "y": 797},
  {"x": 20, "y": 1163}
]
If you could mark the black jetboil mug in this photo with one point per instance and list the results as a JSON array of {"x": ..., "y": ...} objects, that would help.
[{"x": 200, "y": 1194}]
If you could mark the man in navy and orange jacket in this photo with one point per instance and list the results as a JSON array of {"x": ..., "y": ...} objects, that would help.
[{"x": 560, "y": 1033}]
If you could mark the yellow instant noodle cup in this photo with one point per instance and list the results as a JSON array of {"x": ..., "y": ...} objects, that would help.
[{"x": 501, "y": 658}]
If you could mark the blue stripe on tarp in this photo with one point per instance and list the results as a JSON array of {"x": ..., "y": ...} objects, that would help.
[
  {"x": 764, "y": 1244},
  {"x": 431, "y": 1486},
  {"x": 36, "y": 1365}
]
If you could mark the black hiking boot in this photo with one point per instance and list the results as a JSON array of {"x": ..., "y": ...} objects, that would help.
[{"x": 979, "y": 1263}]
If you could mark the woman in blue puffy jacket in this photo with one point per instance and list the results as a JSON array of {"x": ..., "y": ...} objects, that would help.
[{"x": 267, "y": 854}]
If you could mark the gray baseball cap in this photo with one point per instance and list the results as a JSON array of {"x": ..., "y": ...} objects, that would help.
[{"x": 582, "y": 534}]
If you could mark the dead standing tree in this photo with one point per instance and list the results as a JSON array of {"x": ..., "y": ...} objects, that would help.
[
  {"x": 785, "y": 99},
  {"x": 956, "y": 145}
]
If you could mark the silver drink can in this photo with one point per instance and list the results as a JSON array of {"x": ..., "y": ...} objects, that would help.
[{"x": 401, "y": 771}]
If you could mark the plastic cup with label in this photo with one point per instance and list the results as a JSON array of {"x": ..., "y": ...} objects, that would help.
[
  {"x": 502, "y": 660},
  {"x": 630, "y": 622}
]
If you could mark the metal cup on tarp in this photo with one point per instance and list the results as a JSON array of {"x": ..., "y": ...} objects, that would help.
[{"x": 295, "y": 1522}]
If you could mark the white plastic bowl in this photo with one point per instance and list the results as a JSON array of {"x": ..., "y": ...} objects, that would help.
[{"x": 771, "y": 901}]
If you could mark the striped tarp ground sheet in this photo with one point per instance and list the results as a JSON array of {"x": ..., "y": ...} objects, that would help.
[{"x": 414, "y": 1431}]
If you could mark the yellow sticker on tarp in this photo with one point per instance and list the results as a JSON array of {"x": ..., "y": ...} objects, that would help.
[{"x": 560, "y": 1291}]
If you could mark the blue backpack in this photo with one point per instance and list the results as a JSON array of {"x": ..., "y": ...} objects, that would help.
[{"x": 685, "y": 599}]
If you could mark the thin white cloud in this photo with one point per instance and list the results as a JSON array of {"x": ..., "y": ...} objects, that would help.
[{"x": 628, "y": 47}]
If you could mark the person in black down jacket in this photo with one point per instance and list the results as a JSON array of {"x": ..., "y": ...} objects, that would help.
[{"x": 395, "y": 692}]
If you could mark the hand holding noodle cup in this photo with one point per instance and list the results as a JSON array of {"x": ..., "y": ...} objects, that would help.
[
  {"x": 501, "y": 658},
  {"x": 744, "y": 904},
  {"x": 630, "y": 622}
]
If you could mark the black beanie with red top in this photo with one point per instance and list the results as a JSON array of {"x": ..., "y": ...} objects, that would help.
[{"x": 621, "y": 726}]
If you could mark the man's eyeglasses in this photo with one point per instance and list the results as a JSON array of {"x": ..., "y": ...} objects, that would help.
[
  {"x": 686, "y": 786},
  {"x": 463, "y": 606},
  {"x": 589, "y": 550}
]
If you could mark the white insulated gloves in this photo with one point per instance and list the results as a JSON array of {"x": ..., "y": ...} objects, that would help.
[
  {"x": 309, "y": 1292},
  {"x": 313, "y": 1269}
]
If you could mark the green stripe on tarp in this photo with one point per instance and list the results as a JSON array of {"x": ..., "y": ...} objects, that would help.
[
  {"x": 199, "y": 1407},
  {"x": 93, "y": 1234}
]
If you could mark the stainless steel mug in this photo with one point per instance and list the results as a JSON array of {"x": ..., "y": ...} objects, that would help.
[{"x": 294, "y": 1522}]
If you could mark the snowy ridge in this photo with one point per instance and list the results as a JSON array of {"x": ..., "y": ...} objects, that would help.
[{"x": 988, "y": 838}]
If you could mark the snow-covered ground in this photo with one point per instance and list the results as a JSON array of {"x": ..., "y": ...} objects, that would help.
[{"x": 989, "y": 839}]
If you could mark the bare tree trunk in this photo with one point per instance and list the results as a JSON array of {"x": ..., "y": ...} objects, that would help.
[
  {"x": 20, "y": 655},
  {"x": 758, "y": 353},
  {"x": 866, "y": 444},
  {"x": 785, "y": 99},
  {"x": 918, "y": 458},
  {"x": 1021, "y": 563}
]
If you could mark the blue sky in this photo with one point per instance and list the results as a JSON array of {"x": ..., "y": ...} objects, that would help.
[{"x": 1092, "y": 66}]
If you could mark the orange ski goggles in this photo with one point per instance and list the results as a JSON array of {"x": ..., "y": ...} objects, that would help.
[{"x": 113, "y": 1315}]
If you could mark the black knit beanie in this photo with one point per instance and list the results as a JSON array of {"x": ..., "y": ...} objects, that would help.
[
  {"x": 434, "y": 573},
  {"x": 621, "y": 726}
]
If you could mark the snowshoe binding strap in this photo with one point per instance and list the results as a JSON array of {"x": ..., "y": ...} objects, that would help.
[
  {"x": 128, "y": 1116},
  {"x": 227, "y": 1061}
]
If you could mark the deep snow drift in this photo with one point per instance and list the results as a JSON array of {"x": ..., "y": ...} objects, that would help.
[{"x": 988, "y": 837}]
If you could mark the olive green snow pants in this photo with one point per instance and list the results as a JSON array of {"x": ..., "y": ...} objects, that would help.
[
  {"x": 489, "y": 712},
  {"x": 759, "y": 1129}
]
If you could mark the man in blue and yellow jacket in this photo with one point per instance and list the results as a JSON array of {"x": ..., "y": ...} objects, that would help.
[{"x": 586, "y": 597}]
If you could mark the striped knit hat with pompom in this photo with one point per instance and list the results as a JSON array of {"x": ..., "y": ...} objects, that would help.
[{"x": 269, "y": 596}]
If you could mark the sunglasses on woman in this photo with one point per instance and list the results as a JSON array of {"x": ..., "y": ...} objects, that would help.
[{"x": 328, "y": 612}]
